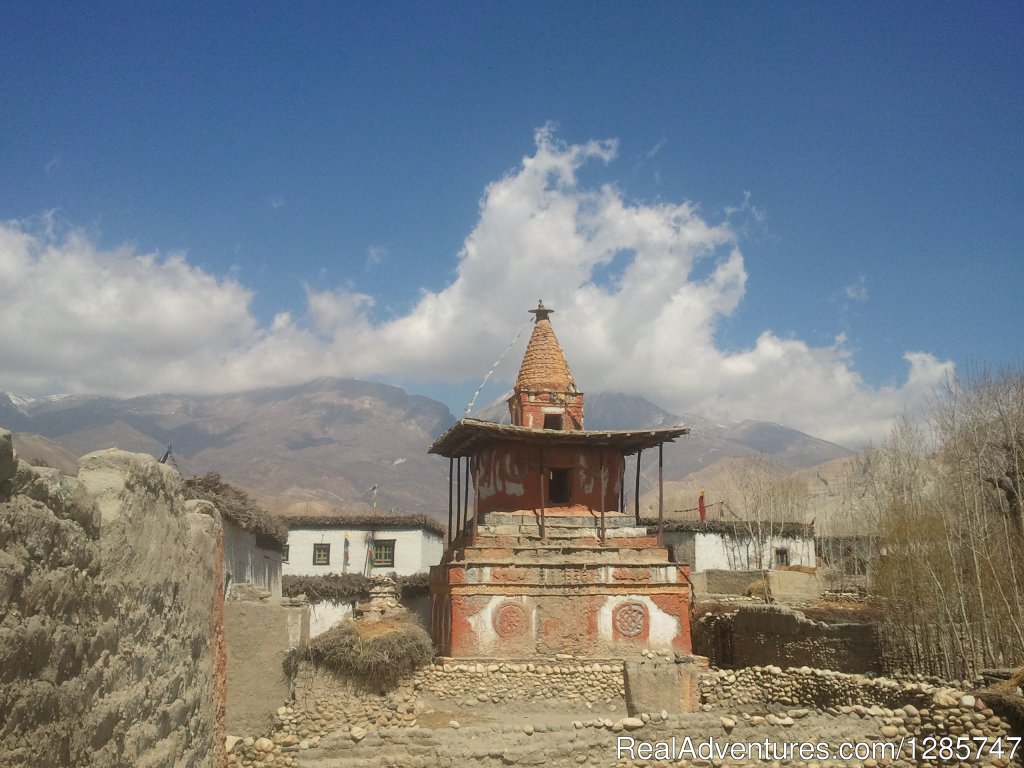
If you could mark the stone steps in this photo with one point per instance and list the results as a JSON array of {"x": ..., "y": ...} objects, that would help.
[
  {"x": 542, "y": 565},
  {"x": 565, "y": 544},
  {"x": 532, "y": 576},
  {"x": 555, "y": 530},
  {"x": 611, "y": 520},
  {"x": 555, "y": 553}
]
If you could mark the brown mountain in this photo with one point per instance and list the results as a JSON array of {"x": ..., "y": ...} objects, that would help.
[
  {"x": 40, "y": 452},
  {"x": 327, "y": 443}
]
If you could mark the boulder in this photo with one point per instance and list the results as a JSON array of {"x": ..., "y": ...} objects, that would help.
[{"x": 8, "y": 459}]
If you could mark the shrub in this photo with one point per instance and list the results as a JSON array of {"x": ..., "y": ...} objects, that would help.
[
  {"x": 346, "y": 587},
  {"x": 336, "y": 587},
  {"x": 416, "y": 585}
]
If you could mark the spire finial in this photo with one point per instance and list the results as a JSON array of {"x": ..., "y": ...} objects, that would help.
[{"x": 541, "y": 311}]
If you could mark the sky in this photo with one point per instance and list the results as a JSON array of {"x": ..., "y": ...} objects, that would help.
[{"x": 797, "y": 212}]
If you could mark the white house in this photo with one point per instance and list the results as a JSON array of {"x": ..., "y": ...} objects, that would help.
[
  {"x": 739, "y": 545},
  {"x": 368, "y": 544},
  {"x": 254, "y": 540},
  {"x": 251, "y": 555}
]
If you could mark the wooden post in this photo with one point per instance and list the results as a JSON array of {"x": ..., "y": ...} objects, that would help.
[
  {"x": 604, "y": 488},
  {"x": 622, "y": 485},
  {"x": 661, "y": 496},
  {"x": 465, "y": 499},
  {"x": 476, "y": 496},
  {"x": 451, "y": 478},
  {"x": 636, "y": 493},
  {"x": 543, "y": 495},
  {"x": 458, "y": 496}
]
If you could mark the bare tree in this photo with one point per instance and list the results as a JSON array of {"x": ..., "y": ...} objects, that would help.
[
  {"x": 767, "y": 502},
  {"x": 950, "y": 578}
]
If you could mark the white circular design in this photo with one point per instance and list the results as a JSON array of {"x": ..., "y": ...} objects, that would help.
[{"x": 630, "y": 619}]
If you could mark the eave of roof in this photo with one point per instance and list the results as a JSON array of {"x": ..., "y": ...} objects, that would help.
[
  {"x": 743, "y": 528},
  {"x": 469, "y": 436},
  {"x": 364, "y": 521}
]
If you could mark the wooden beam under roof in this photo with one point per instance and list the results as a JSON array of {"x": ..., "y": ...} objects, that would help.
[{"x": 468, "y": 436}]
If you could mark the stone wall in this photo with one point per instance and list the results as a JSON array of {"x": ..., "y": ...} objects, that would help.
[
  {"x": 463, "y": 684},
  {"x": 768, "y": 634},
  {"x": 324, "y": 705},
  {"x": 904, "y": 707},
  {"x": 563, "y": 678},
  {"x": 760, "y": 687},
  {"x": 111, "y": 639},
  {"x": 524, "y": 713}
]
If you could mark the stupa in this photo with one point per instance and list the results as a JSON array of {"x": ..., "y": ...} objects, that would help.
[{"x": 541, "y": 557}]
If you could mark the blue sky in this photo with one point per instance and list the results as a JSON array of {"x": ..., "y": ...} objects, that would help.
[{"x": 211, "y": 196}]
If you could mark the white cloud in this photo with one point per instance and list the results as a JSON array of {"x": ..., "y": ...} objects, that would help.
[
  {"x": 375, "y": 255},
  {"x": 79, "y": 318},
  {"x": 857, "y": 290},
  {"x": 757, "y": 213},
  {"x": 653, "y": 152}
]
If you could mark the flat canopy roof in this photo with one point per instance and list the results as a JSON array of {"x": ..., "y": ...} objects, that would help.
[{"x": 468, "y": 436}]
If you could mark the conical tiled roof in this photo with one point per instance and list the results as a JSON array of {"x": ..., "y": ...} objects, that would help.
[{"x": 544, "y": 368}]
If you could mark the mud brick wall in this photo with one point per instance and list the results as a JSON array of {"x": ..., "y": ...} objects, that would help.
[
  {"x": 768, "y": 634},
  {"x": 111, "y": 636}
]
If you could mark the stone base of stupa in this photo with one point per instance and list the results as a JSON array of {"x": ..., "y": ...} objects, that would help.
[{"x": 513, "y": 593}]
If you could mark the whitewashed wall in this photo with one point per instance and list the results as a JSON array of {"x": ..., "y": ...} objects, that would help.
[
  {"x": 324, "y": 615},
  {"x": 716, "y": 551},
  {"x": 244, "y": 560},
  {"x": 432, "y": 548},
  {"x": 416, "y": 550}
]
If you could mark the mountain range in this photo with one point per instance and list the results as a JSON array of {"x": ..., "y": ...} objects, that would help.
[{"x": 335, "y": 443}]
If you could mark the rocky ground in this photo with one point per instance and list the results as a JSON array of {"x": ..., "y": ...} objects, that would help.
[
  {"x": 871, "y": 739},
  {"x": 426, "y": 731}
]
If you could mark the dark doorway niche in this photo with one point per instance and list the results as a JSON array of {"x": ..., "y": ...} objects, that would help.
[{"x": 559, "y": 486}]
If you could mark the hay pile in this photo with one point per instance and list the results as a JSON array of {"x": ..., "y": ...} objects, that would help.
[
  {"x": 375, "y": 654},
  {"x": 238, "y": 507}
]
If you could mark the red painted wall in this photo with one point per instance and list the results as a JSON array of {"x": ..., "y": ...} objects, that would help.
[
  {"x": 509, "y": 479},
  {"x": 527, "y": 409}
]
